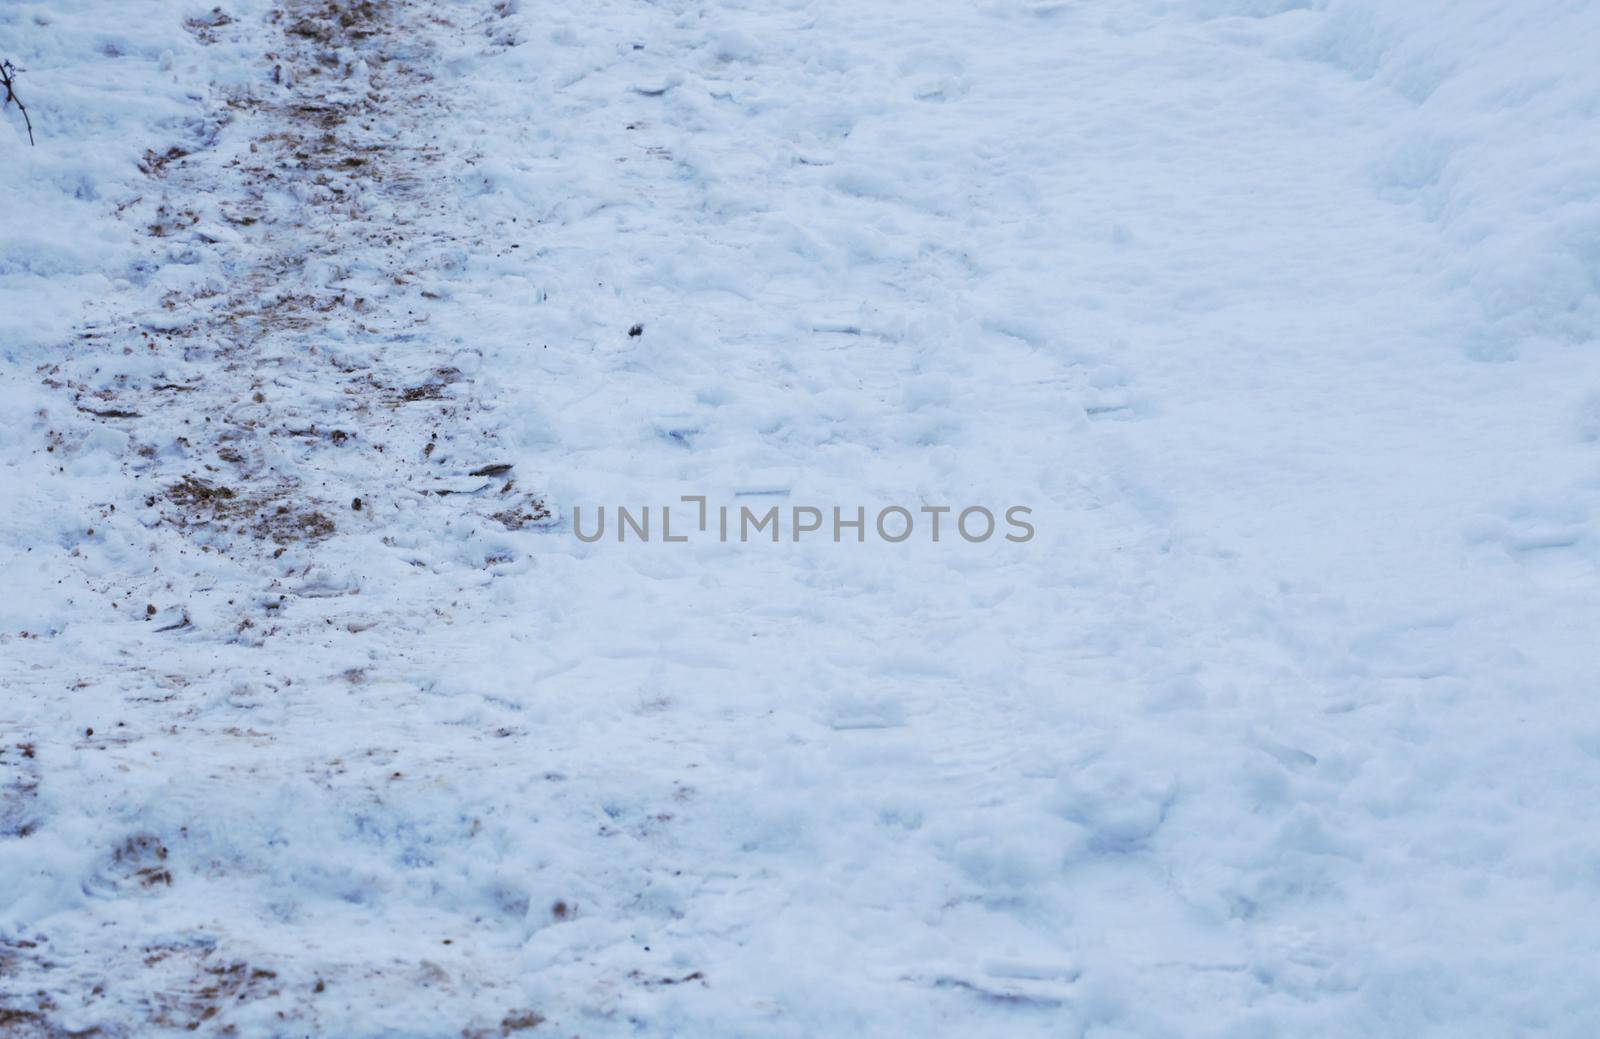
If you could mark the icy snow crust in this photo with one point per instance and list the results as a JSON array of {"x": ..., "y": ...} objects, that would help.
[{"x": 1279, "y": 316}]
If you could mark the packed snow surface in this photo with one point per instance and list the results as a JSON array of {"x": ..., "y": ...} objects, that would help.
[{"x": 327, "y": 327}]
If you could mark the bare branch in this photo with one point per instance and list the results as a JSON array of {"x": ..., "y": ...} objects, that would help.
[{"x": 8, "y": 78}]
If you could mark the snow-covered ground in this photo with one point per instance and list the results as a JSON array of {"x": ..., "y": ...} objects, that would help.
[{"x": 321, "y": 321}]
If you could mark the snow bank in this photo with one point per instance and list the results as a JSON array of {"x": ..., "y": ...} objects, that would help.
[
  {"x": 1496, "y": 147},
  {"x": 1492, "y": 143}
]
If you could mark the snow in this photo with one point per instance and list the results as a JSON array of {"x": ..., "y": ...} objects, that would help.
[{"x": 1279, "y": 317}]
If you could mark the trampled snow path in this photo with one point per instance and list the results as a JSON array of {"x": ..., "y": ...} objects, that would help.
[{"x": 1280, "y": 725}]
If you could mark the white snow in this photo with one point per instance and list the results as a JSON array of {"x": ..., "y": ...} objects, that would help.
[{"x": 1280, "y": 318}]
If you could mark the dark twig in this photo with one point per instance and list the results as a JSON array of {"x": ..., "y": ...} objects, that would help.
[{"x": 8, "y": 79}]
